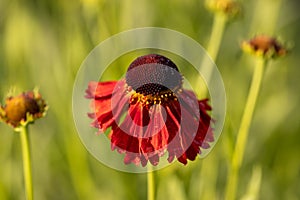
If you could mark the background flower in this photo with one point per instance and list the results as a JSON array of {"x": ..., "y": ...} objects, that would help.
[
  {"x": 264, "y": 46},
  {"x": 22, "y": 109}
]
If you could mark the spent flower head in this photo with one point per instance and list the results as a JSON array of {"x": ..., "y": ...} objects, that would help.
[
  {"x": 23, "y": 109},
  {"x": 264, "y": 46}
]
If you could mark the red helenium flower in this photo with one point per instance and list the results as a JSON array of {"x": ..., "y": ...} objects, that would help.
[{"x": 150, "y": 113}]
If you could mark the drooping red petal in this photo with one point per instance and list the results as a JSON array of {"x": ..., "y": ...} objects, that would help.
[
  {"x": 187, "y": 143},
  {"x": 129, "y": 136},
  {"x": 158, "y": 129},
  {"x": 100, "y": 89},
  {"x": 126, "y": 135},
  {"x": 185, "y": 137},
  {"x": 108, "y": 104},
  {"x": 123, "y": 141}
]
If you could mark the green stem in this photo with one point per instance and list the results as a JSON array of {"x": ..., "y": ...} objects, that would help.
[
  {"x": 243, "y": 132},
  {"x": 26, "y": 162},
  {"x": 216, "y": 35},
  {"x": 150, "y": 184},
  {"x": 212, "y": 49},
  {"x": 219, "y": 23}
]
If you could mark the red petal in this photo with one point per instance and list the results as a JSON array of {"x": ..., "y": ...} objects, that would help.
[
  {"x": 186, "y": 145},
  {"x": 109, "y": 102},
  {"x": 100, "y": 89}
]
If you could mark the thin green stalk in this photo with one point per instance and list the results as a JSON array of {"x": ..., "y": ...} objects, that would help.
[
  {"x": 216, "y": 35},
  {"x": 218, "y": 28},
  {"x": 26, "y": 162},
  {"x": 213, "y": 48},
  {"x": 150, "y": 184},
  {"x": 243, "y": 132}
]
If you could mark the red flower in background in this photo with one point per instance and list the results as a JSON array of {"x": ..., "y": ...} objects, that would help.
[{"x": 150, "y": 113}]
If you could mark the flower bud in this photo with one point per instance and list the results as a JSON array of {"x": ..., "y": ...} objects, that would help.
[
  {"x": 227, "y": 7},
  {"x": 264, "y": 46}
]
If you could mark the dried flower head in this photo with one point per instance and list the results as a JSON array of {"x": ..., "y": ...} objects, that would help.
[
  {"x": 23, "y": 109},
  {"x": 264, "y": 46},
  {"x": 158, "y": 115},
  {"x": 227, "y": 7}
]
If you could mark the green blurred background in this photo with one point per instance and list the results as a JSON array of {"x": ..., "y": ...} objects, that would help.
[{"x": 43, "y": 43}]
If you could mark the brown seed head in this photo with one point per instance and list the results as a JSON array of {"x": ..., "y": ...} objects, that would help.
[{"x": 17, "y": 110}]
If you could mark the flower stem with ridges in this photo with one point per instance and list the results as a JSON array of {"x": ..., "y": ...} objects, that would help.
[
  {"x": 26, "y": 162},
  {"x": 150, "y": 184},
  {"x": 213, "y": 47},
  {"x": 216, "y": 35},
  {"x": 243, "y": 132}
]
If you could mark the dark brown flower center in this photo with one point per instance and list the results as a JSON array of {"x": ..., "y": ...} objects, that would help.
[{"x": 153, "y": 74}]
